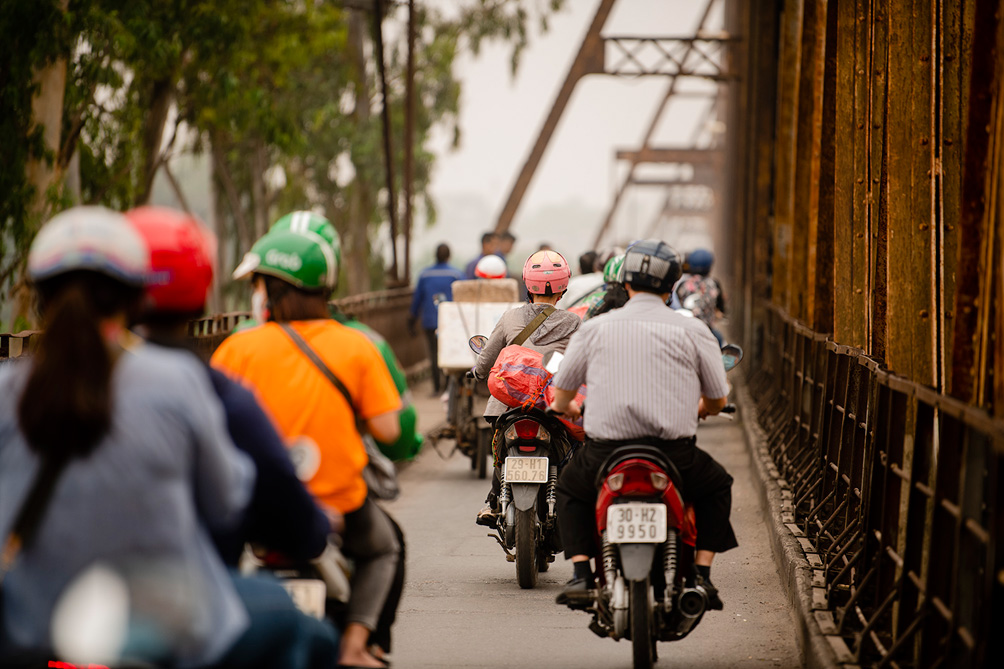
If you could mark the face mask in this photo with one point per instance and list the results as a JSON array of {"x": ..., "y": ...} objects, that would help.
[{"x": 259, "y": 306}]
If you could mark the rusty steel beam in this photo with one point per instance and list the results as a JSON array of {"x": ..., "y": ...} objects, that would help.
[
  {"x": 789, "y": 68},
  {"x": 808, "y": 136},
  {"x": 825, "y": 242},
  {"x": 851, "y": 183},
  {"x": 912, "y": 220},
  {"x": 670, "y": 92},
  {"x": 696, "y": 181},
  {"x": 980, "y": 222},
  {"x": 589, "y": 60},
  {"x": 673, "y": 56},
  {"x": 755, "y": 172},
  {"x": 648, "y": 154},
  {"x": 957, "y": 22},
  {"x": 877, "y": 179}
]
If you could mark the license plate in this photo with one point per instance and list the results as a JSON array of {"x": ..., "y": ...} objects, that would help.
[
  {"x": 308, "y": 594},
  {"x": 636, "y": 523},
  {"x": 526, "y": 470}
]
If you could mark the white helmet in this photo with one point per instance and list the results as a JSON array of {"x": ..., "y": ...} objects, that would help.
[
  {"x": 89, "y": 238},
  {"x": 491, "y": 267}
]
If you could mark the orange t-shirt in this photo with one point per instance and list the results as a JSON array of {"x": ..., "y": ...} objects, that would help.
[{"x": 303, "y": 403}]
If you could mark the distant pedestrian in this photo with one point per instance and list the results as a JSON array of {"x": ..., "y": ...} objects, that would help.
[
  {"x": 506, "y": 242},
  {"x": 489, "y": 246},
  {"x": 436, "y": 280}
]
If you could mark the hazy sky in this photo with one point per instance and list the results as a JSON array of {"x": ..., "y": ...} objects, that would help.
[{"x": 502, "y": 115}]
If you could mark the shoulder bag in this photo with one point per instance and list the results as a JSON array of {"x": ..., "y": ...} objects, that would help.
[{"x": 379, "y": 473}]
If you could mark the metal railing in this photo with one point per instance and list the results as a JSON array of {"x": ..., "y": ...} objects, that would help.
[
  {"x": 17, "y": 344},
  {"x": 384, "y": 311},
  {"x": 896, "y": 497}
]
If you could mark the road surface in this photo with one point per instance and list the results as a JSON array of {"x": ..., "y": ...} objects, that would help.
[{"x": 462, "y": 607}]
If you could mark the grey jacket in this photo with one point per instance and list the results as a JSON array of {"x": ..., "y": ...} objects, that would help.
[
  {"x": 552, "y": 335},
  {"x": 140, "y": 505}
]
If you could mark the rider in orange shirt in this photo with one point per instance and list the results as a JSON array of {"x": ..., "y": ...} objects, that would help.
[{"x": 293, "y": 271}]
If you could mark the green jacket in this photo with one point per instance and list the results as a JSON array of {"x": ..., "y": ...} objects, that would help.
[{"x": 410, "y": 442}]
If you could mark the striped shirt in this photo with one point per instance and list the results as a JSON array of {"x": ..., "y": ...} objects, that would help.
[{"x": 646, "y": 367}]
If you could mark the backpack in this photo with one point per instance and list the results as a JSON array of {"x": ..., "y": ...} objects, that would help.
[{"x": 699, "y": 294}]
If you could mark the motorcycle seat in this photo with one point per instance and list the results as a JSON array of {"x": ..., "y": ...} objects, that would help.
[{"x": 632, "y": 451}]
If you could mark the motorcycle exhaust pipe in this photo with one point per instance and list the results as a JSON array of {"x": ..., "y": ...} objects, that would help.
[{"x": 692, "y": 604}]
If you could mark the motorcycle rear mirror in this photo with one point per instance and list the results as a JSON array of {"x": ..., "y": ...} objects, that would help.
[
  {"x": 552, "y": 361},
  {"x": 732, "y": 355},
  {"x": 477, "y": 343}
]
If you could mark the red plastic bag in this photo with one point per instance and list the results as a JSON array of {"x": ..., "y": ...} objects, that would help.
[{"x": 518, "y": 378}]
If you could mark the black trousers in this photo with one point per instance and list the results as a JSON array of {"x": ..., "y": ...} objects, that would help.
[
  {"x": 705, "y": 484},
  {"x": 432, "y": 343}
]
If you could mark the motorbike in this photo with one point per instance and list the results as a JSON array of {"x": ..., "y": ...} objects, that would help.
[
  {"x": 534, "y": 444},
  {"x": 464, "y": 423},
  {"x": 646, "y": 535},
  {"x": 319, "y": 587}
]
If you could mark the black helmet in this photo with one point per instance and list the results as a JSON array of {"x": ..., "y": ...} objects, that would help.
[{"x": 651, "y": 264}]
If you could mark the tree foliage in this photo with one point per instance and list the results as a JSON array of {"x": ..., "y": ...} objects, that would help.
[{"x": 280, "y": 96}]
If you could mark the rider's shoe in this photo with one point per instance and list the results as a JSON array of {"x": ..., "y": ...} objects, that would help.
[
  {"x": 576, "y": 593},
  {"x": 714, "y": 601},
  {"x": 487, "y": 516}
]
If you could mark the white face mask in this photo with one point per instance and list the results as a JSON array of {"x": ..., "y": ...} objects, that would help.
[{"x": 259, "y": 305}]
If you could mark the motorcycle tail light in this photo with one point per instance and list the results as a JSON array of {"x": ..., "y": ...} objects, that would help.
[
  {"x": 660, "y": 481},
  {"x": 527, "y": 430},
  {"x": 527, "y": 449},
  {"x": 615, "y": 481}
]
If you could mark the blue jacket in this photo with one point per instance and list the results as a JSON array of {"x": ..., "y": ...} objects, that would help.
[
  {"x": 433, "y": 281},
  {"x": 282, "y": 514}
]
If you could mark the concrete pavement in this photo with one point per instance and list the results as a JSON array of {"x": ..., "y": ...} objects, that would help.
[{"x": 462, "y": 607}]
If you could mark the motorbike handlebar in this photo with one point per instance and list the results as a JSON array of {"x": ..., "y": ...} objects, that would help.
[
  {"x": 728, "y": 408},
  {"x": 551, "y": 412}
]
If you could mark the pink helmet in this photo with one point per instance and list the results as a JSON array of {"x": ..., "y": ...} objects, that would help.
[{"x": 546, "y": 273}]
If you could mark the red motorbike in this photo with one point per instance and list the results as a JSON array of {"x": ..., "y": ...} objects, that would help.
[{"x": 646, "y": 535}]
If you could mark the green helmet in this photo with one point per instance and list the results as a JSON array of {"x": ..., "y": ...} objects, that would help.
[
  {"x": 612, "y": 270},
  {"x": 304, "y": 259},
  {"x": 300, "y": 221}
]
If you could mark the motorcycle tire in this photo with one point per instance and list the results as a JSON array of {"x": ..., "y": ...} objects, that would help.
[
  {"x": 483, "y": 452},
  {"x": 526, "y": 549},
  {"x": 642, "y": 636}
]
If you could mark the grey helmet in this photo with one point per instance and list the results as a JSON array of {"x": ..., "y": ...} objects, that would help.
[{"x": 651, "y": 264}]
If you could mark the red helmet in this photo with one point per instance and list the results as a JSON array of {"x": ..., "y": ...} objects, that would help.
[
  {"x": 546, "y": 273},
  {"x": 181, "y": 258}
]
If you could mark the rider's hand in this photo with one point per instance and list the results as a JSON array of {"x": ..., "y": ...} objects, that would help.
[
  {"x": 702, "y": 411},
  {"x": 572, "y": 412},
  {"x": 336, "y": 519}
]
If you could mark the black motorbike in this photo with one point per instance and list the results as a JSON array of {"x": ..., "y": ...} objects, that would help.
[{"x": 533, "y": 446}]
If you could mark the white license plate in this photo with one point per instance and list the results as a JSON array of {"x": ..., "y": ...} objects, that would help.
[
  {"x": 636, "y": 523},
  {"x": 308, "y": 594},
  {"x": 526, "y": 470}
]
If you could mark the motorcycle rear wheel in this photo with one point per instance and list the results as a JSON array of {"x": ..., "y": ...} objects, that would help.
[
  {"x": 642, "y": 636},
  {"x": 526, "y": 549}
]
